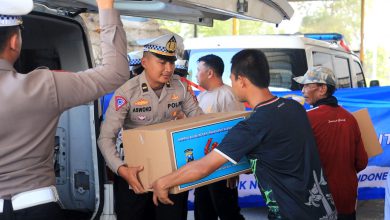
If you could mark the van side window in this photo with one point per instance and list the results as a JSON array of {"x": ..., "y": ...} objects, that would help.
[
  {"x": 342, "y": 72},
  {"x": 322, "y": 59},
  {"x": 340, "y": 67},
  {"x": 284, "y": 65},
  {"x": 358, "y": 72},
  {"x": 280, "y": 69}
]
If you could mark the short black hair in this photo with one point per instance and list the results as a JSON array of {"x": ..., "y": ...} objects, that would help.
[
  {"x": 5, "y": 35},
  {"x": 253, "y": 65},
  {"x": 214, "y": 62}
]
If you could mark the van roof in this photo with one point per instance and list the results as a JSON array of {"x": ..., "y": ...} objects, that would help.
[{"x": 258, "y": 41}]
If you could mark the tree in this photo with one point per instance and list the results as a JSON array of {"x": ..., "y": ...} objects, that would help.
[
  {"x": 332, "y": 17},
  {"x": 381, "y": 64}
]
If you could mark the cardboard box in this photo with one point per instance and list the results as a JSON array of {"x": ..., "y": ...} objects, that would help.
[
  {"x": 165, "y": 147},
  {"x": 367, "y": 130}
]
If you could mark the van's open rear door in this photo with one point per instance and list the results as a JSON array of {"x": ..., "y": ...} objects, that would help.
[{"x": 201, "y": 12}]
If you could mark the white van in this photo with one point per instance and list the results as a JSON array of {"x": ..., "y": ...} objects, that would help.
[
  {"x": 55, "y": 36},
  {"x": 288, "y": 56}
]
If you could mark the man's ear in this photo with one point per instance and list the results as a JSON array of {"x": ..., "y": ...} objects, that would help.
[
  {"x": 210, "y": 73},
  {"x": 242, "y": 81},
  {"x": 13, "y": 42},
  {"x": 144, "y": 61},
  {"x": 323, "y": 89}
]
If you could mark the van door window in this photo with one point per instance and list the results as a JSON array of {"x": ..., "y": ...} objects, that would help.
[
  {"x": 280, "y": 69},
  {"x": 322, "y": 59},
  {"x": 358, "y": 72},
  {"x": 342, "y": 72},
  {"x": 284, "y": 64}
]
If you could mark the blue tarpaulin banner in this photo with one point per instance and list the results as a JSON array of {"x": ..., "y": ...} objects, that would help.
[{"x": 372, "y": 179}]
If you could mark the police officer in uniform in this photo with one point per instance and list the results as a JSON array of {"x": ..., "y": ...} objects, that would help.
[
  {"x": 155, "y": 96},
  {"x": 31, "y": 105}
]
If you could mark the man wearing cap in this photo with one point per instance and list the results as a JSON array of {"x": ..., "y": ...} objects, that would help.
[
  {"x": 282, "y": 152},
  {"x": 181, "y": 67},
  {"x": 155, "y": 96},
  {"x": 27, "y": 179},
  {"x": 219, "y": 199},
  {"x": 337, "y": 136}
]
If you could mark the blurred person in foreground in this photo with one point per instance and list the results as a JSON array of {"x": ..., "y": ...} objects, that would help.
[
  {"x": 338, "y": 139},
  {"x": 282, "y": 152},
  {"x": 32, "y": 104}
]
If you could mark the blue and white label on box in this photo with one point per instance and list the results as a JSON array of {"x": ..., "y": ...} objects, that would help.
[{"x": 194, "y": 143}]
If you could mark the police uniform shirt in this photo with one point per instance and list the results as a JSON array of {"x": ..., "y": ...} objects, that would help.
[
  {"x": 135, "y": 104},
  {"x": 220, "y": 99},
  {"x": 32, "y": 103}
]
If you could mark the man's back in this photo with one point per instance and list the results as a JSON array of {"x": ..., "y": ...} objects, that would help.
[
  {"x": 341, "y": 151},
  {"x": 281, "y": 147},
  {"x": 29, "y": 103}
]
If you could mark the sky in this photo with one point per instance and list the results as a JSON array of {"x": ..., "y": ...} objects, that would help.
[{"x": 376, "y": 24}]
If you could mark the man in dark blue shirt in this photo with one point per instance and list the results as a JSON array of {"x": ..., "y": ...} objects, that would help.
[{"x": 276, "y": 138}]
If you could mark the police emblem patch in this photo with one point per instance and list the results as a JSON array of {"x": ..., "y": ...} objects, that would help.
[
  {"x": 171, "y": 45},
  {"x": 119, "y": 102},
  {"x": 189, "y": 89},
  {"x": 141, "y": 102}
]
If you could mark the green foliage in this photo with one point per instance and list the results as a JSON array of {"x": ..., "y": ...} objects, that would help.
[
  {"x": 381, "y": 63},
  {"x": 183, "y": 29},
  {"x": 220, "y": 28},
  {"x": 341, "y": 16}
]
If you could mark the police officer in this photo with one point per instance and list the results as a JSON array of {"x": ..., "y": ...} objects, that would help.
[
  {"x": 135, "y": 66},
  {"x": 31, "y": 105},
  {"x": 181, "y": 67},
  {"x": 152, "y": 97}
]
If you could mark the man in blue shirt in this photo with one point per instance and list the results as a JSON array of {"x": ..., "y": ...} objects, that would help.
[{"x": 277, "y": 139}]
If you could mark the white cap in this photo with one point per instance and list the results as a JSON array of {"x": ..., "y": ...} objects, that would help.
[
  {"x": 12, "y": 10},
  {"x": 135, "y": 57},
  {"x": 165, "y": 45},
  {"x": 181, "y": 64}
]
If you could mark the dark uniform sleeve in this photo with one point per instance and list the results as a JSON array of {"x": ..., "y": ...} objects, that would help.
[
  {"x": 190, "y": 105},
  {"x": 115, "y": 117},
  {"x": 78, "y": 88},
  {"x": 239, "y": 141}
]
